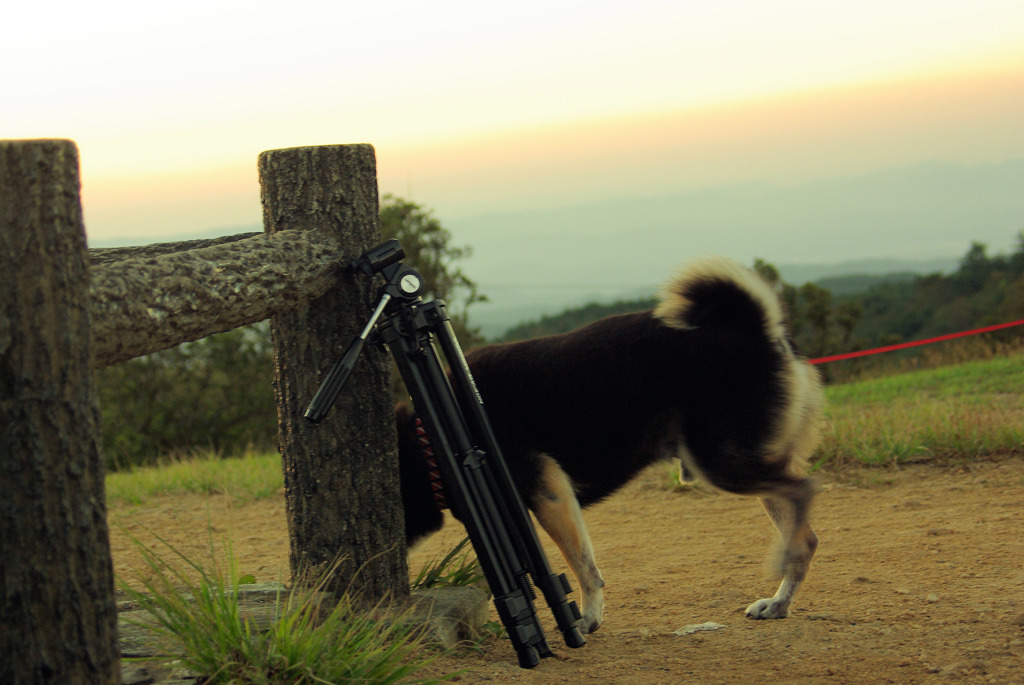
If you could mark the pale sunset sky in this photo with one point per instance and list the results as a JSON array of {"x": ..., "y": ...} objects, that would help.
[{"x": 478, "y": 107}]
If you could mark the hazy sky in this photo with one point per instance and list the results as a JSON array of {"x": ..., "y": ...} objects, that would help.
[{"x": 476, "y": 107}]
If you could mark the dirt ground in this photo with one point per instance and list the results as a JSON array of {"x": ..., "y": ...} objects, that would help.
[{"x": 919, "y": 577}]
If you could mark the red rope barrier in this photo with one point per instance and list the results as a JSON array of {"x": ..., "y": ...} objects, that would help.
[{"x": 915, "y": 343}]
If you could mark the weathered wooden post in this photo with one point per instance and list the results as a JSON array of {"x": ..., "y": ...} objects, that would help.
[
  {"x": 341, "y": 479},
  {"x": 58, "y": 619}
]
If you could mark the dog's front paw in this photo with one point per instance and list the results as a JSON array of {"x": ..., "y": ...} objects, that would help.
[
  {"x": 768, "y": 608},
  {"x": 591, "y": 620},
  {"x": 593, "y": 611}
]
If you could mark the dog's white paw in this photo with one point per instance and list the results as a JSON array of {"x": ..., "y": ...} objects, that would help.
[
  {"x": 593, "y": 610},
  {"x": 590, "y": 622},
  {"x": 768, "y": 608}
]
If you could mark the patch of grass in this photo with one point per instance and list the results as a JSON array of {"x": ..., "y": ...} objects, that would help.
[
  {"x": 967, "y": 410},
  {"x": 309, "y": 642},
  {"x": 247, "y": 478},
  {"x": 942, "y": 355},
  {"x": 968, "y": 381},
  {"x": 678, "y": 480},
  {"x": 454, "y": 568}
]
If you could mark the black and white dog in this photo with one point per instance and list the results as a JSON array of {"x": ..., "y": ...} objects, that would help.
[{"x": 709, "y": 377}]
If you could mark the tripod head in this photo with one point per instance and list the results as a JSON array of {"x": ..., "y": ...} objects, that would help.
[
  {"x": 377, "y": 258},
  {"x": 402, "y": 284}
]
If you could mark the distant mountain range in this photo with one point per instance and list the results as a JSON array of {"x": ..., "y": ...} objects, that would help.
[
  {"x": 860, "y": 274},
  {"x": 912, "y": 220},
  {"x": 917, "y": 219}
]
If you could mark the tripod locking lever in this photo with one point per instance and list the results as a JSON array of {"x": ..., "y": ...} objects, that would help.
[{"x": 342, "y": 369}]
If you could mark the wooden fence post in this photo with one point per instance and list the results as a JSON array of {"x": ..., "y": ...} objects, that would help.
[
  {"x": 58, "y": 619},
  {"x": 341, "y": 479}
]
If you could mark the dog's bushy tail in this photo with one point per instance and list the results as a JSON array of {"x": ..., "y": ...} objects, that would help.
[{"x": 715, "y": 291}]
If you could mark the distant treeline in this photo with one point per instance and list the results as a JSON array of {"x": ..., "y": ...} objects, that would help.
[
  {"x": 983, "y": 291},
  {"x": 849, "y": 313},
  {"x": 572, "y": 319}
]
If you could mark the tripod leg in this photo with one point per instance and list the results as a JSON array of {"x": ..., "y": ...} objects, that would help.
[
  {"x": 500, "y": 484},
  {"x": 558, "y": 512},
  {"x": 472, "y": 499}
]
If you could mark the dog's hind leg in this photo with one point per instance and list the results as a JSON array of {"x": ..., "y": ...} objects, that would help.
[
  {"x": 558, "y": 511},
  {"x": 788, "y": 508}
]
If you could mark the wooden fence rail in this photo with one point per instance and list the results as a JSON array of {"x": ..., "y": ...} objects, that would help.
[
  {"x": 65, "y": 311},
  {"x": 154, "y": 299}
]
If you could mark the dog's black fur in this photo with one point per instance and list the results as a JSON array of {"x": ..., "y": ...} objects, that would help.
[{"x": 709, "y": 377}]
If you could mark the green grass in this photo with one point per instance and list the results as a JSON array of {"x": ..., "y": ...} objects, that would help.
[
  {"x": 454, "y": 568},
  {"x": 964, "y": 411},
  {"x": 310, "y": 641},
  {"x": 251, "y": 477}
]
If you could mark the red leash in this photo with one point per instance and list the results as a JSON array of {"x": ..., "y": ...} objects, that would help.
[{"x": 915, "y": 343}]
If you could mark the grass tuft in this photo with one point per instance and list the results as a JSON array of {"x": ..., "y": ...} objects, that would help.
[
  {"x": 454, "y": 568},
  {"x": 310, "y": 641}
]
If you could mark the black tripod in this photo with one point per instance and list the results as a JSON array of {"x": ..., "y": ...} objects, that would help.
[{"x": 483, "y": 495}]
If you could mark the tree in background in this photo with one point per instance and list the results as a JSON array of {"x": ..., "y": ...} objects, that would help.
[
  {"x": 984, "y": 290},
  {"x": 216, "y": 394},
  {"x": 213, "y": 394},
  {"x": 847, "y": 314},
  {"x": 429, "y": 250},
  {"x": 817, "y": 325},
  {"x": 812, "y": 319},
  {"x": 975, "y": 269}
]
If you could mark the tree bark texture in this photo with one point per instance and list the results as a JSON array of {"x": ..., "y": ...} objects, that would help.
[
  {"x": 99, "y": 256},
  {"x": 154, "y": 297},
  {"x": 58, "y": 619},
  {"x": 341, "y": 477}
]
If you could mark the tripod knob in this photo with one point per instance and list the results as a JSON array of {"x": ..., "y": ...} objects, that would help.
[{"x": 411, "y": 284}]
